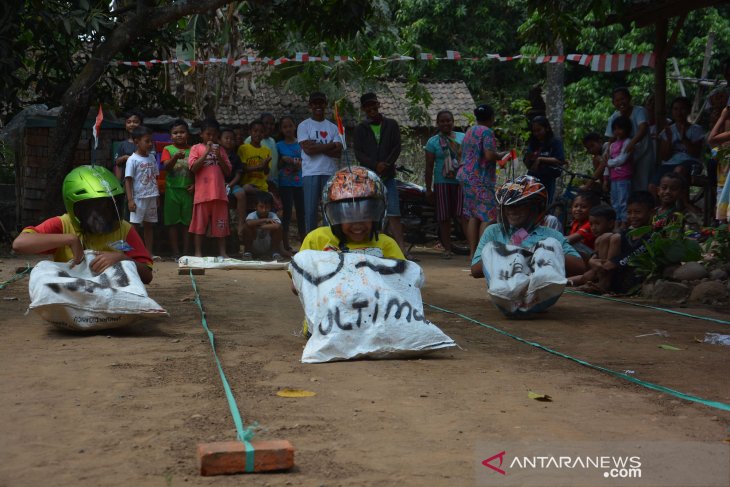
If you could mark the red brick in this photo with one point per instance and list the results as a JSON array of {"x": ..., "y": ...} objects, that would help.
[{"x": 229, "y": 457}]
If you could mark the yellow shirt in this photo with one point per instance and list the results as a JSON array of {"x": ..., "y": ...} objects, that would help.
[
  {"x": 250, "y": 157},
  {"x": 322, "y": 238}
]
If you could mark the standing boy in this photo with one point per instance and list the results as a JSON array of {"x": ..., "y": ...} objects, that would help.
[
  {"x": 140, "y": 182},
  {"x": 377, "y": 147},
  {"x": 321, "y": 148}
]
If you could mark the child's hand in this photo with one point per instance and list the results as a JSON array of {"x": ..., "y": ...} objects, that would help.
[
  {"x": 132, "y": 206},
  {"x": 104, "y": 260},
  {"x": 76, "y": 249},
  {"x": 191, "y": 189}
]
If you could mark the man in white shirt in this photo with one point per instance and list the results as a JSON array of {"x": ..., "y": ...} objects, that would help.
[{"x": 321, "y": 148}]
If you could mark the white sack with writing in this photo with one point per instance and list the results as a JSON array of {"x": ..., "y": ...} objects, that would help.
[
  {"x": 78, "y": 299},
  {"x": 359, "y": 306},
  {"x": 521, "y": 281}
]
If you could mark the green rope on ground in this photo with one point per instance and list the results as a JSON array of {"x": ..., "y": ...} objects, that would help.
[
  {"x": 16, "y": 277},
  {"x": 665, "y": 310},
  {"x": 244, "y": 434},
  {"x": 648, "y": 385}
]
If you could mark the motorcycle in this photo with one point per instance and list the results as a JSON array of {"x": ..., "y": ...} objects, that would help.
[{"x": 418, "y": 216}]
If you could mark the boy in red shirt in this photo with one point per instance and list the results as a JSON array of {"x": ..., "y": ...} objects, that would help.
[
  {"x": 580, "y": 235},
  {"x": 209, "y": 163}
]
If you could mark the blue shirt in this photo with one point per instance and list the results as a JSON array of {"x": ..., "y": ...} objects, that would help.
[
  {"x": 288, "y": 176},
  {"x": 434, "y": 147},
  {"x": 494, "y": 233}
]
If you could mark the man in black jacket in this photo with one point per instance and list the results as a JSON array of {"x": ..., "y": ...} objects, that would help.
[{"x": 377, "y": 147}]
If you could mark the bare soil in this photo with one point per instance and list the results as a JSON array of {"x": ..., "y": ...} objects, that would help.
[{"x": 128, "y": 407}]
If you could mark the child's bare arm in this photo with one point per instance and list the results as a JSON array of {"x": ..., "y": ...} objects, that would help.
[
  {"x": 37, "y": 243},
  {"x": 129, "y": 189},
  {"x": 574, "y": 238},
  {"x": 718, "y": 134},
  {"x": 198, "y": 163}
]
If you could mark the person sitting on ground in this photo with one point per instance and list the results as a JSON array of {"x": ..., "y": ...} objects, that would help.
[
  {"x": 93, "y": 198},
  {"x": 354, "y": 204},
  {"x": 262, "y": 232},
  {"x": 580, "y": 235},
  {"x": 602, "y": 219},
  {"x": 670, "y": 193},
  {"x": 524, "y": 262},
  {"x": 597, "y": 149},
  {"x": 612, "y": 264}
]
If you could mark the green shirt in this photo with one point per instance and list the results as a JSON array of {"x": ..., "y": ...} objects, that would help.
[
  {"x": 375, "y": 127},
  {"x": 179, "y": 176}
]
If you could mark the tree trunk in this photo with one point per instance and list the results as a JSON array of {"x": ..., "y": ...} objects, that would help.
[
  {"x": 78, "y": 97},
  {"x": 555, "y": 93}
]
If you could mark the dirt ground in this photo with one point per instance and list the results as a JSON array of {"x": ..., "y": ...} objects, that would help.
[{"x": 128, "y": 407}]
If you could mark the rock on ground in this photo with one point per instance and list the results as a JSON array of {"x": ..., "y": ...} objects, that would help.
[
  {"x": 709, "y": 292},
  {"x": 689, "y": 272}
]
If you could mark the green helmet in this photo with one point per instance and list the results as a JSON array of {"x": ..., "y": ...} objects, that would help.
[{"x": 88, "y": 182}]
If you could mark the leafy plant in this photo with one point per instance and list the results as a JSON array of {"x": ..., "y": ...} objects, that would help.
[
  {"x": 668, "y": 245},
  {"x": 717, "y": 245}
]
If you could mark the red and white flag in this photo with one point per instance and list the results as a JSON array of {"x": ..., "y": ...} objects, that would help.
[
  {"x": 97, "y": 127},
  {"x": 340, "y": 127},
  {"x": 510, "y": 156}
]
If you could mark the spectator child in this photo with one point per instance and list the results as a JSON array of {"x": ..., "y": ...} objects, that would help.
[
  {"x": 522, "y": 205},
  {"x": 140, "y": 182},
  {"x": 620, "y": 167},
  {"x": 354, "y": 204},
  {"x": 210, "y": 165},
  {"x": 612, "y": 262},
  {"x": 179, "y": 187},
  {"x": 132, "y": 120},
  {"x": 256, "y": 159},
  {"x": 596, "y": 149},
  {"x": 545, "y": 155},
  {"x": 602, "y": 219},
  {"x": 234, "y": 184},
  {"x": 290, "y": 179},
  {"x": 638, "y": 146},
  {"x": 267, "y": 140},
  {"x": 92, "y": 196},
  {"x": 670, "y": 193},
  {"x": 580, "y": 235},
  {"x": 321, "y": 148},
  {"x": 262, "y": 231}
]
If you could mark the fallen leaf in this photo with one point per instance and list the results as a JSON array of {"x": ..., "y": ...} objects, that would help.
[
  {"x": 669, "y": 347},
  {"x": 188, "y": 299},
  {"x": 295, "y": 393},
  {"x": 539, "y": 397}
]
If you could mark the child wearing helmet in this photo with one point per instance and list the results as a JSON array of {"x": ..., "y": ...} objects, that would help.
[
  {"x": 524, "y": 248},
  {"x": 93, "y": 198},
  {"x": 354, "y": 203}
]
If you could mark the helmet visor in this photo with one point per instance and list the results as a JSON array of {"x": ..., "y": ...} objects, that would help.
[{"x": 350, "y": 211}]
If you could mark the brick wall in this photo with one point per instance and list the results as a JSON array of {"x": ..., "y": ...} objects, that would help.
[{"x": 36, "y": 156}]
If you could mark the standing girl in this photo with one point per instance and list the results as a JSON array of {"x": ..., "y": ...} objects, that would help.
[
  {"x": 179, "y": 187},
  {"x": 478, "y": 175},
  {"x": 620, "y": 168},
  {"x": 210, "y": 164},
  {"x": 290, "y": 178},
  {"x": 545, "y": 154}
]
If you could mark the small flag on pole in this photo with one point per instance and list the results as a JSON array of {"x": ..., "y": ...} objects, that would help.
[
  {"x": 97, "y": 127},
  {"x": 340, "y": 127},
  {"x": 510, "y": 156}
]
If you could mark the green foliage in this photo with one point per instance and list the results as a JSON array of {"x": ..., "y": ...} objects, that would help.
[
  {"x": 667, "y": 246},
  {"x": 7, "y": 164},
  {"x": 717, "y": 245}
]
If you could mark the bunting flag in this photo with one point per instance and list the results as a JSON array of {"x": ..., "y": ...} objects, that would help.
[
  {"x": 607, "y": 63},
  {"x": 510, "y": 156},
  {"x": 97, "y": 127}
]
